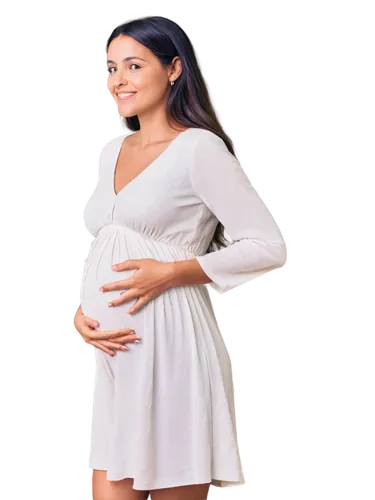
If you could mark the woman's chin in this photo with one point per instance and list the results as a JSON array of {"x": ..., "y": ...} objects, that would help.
[{"x": 125, "y": 113}]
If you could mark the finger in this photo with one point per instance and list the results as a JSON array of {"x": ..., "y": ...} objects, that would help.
[
  {"x": 138, "y": 305},
  {"x": 114, "y": 345},
  {"x": 128, "y": 339},
  {"x": 108, "y": 334},
  {"x": 115, "y": 285},
  {"x": 124, "y": 297},
  {"x": 102, "y": 348},
  {"x": 126, "y": 265},
  {"x": 93, "y": 323},
  {"x": 119, "y": 342}
]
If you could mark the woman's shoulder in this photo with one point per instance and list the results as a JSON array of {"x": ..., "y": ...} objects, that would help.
[
  {"x": 208, "y": 135},
  {"x": 206, "y": 140}
]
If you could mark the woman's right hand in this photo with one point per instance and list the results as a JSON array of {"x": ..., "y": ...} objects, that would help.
[{"x": 105, "y": 340}]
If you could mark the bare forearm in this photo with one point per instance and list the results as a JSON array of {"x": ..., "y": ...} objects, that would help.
[
  {"x": 187, "y": 272},
  {"x": 77, "y": 312}
]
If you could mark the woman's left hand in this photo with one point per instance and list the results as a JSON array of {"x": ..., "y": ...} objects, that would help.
[{"x": 150, "y": 279}]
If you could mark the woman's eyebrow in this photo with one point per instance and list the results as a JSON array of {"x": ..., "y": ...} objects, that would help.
[{"x": 126, "y": 59}]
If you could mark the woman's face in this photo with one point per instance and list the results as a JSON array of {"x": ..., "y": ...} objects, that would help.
[{"x": 135, "y": 69}]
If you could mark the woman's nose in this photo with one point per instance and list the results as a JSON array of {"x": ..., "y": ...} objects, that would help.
[{"x": 119, "y": 78}]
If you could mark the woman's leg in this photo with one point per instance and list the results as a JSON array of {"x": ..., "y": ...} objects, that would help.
[
  {"x": 191, "y": 492},
  {"x": 102, "y": 489}
]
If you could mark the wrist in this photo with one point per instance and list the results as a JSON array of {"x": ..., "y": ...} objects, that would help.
[
  {"x": 185, "y": 272},
  {"x": 172, "y": 274}
]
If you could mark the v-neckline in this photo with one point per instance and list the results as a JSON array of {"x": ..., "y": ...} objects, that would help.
[{"x": 116, "y": 195}]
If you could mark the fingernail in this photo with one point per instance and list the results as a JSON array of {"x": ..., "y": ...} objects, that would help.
[
  {"x": 110, "y": 304},
  {"x": 136, "y": 342}
]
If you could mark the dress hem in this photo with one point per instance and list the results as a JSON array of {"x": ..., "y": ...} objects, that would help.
[{"x": 171, "y": 483}]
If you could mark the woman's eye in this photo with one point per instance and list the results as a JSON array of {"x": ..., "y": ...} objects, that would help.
[{"x": 110, "y": 70}]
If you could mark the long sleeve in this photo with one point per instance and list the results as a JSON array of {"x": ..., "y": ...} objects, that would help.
[{"x": 222, "y": 185}]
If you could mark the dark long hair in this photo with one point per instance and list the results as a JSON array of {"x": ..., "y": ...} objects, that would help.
[{"x": 188, "y": 102}]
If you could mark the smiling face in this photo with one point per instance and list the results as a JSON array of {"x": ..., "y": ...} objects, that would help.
[{"x": 134, "y": 69}]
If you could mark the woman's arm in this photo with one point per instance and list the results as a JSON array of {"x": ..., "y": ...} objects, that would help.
[
  {"x": 186, "y": 272},
  {"x": 221, "y": 183},
  {"x": 77, "y": 312}
]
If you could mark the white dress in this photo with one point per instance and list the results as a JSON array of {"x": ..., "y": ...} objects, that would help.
[{"x": 163, "y": 411}]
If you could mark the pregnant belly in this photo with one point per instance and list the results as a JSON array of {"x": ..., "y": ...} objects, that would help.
[
  {"x": 115, "y": 244},
  {"x": 104, "y": 252}
]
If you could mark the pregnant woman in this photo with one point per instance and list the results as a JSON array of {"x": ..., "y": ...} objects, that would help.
[{"x": 163, "y": 421}]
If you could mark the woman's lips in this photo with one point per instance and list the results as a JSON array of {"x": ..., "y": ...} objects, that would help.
[{"x": 127, "y": 97}]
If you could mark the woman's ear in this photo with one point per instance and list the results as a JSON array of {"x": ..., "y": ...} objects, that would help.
[{"x": 176, "y": 68}]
